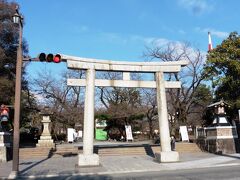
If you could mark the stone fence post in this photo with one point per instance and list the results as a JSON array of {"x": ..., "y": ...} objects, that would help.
[{"x": 5, "y": 146}]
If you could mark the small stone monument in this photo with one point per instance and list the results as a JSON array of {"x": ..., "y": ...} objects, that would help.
[{"x": 46, "y": 138}]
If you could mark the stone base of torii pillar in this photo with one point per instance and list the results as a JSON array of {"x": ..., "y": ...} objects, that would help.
[
  {"x": 170, "y": 156},
  {"x": 88, "y": 160}
]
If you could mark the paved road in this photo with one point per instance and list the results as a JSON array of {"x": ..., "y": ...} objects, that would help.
[
  {"x": 216, "y": 173},
  {"x": 111, "y": 166},
  {"x": 123, "y": 167}
]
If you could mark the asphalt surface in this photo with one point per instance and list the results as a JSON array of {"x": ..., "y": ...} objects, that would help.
[{"x": 110, "y": 165}]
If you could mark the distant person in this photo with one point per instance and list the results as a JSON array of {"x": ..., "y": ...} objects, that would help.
[
  {"x": 156, "y": 137},
  {"x": 122, "y": 138},
  {"x": 173, "y": 143}
]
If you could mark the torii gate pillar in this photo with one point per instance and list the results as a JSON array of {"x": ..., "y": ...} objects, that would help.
[
  {"x": 88, "y": 158},
  {"x": 166, "y": 155}
]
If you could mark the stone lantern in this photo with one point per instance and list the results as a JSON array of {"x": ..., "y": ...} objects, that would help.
[
  {"x": 220, "y": 136},
  {"x": 220, "y": 115},
  {"x": 46, "y": 138}
]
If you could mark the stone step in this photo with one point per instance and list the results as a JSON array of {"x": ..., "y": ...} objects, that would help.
[
  {"x": 35, "y": 152},
  {"x": 104, "y": 151}
]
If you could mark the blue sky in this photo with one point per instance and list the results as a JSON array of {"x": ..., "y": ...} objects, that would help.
[{"x": 121, "y": 29}]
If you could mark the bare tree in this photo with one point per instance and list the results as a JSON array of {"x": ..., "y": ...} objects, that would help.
[
  {"x": 149, "y": 100},
  {"x": 122, "y": 105},
  {"x": 182, "y": 102},
  {"x": 64, "y": 101}
]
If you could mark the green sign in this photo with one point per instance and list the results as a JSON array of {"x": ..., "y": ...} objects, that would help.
[{"x": 101, "y": 134}]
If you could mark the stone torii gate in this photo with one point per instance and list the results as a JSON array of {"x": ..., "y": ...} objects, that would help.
[{"x": 88, "y": 158}]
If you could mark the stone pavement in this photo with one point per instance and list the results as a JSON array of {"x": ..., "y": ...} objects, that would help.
[{"x": 66, "y": 166}]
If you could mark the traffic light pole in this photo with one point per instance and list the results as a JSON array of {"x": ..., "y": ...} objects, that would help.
[{"x": 15, "y": 162}]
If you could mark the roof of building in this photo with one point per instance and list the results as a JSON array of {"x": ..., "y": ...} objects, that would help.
[{"x": 219, "y": 103}]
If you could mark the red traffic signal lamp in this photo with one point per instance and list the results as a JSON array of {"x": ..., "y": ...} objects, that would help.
[{"x": 49, "y": 58}]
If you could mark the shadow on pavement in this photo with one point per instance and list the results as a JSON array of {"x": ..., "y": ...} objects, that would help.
[
  {"x": 148, "y": 150},
  {"x": 230, "y": 155},
  {"x": 85, "y": 177},
  {"x": 35, "y": 164}
]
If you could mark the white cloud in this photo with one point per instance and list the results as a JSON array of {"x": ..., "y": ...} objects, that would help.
[
  {"x": 196, "y": 6},
  {"x": 83, "y": 28},
  {"x": 149, "y": 40},
  {"x": 180, "y": 31},
  {"x": 178, "y": 46},
  {"x": 80, "y": 29},
  {"x": 157, "y": 41},
  {"x": 114, "y": 37},
  {"x": 214, "y": 32},
  {"x": 219, "y": 34},
  {"x": 123, "y": 39}
]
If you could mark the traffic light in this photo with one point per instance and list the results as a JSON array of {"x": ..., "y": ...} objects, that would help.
[{"x": 49, "y": 58}]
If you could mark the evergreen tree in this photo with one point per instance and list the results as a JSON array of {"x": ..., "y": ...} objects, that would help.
[
  {"x": 8, "y": 52},
  {"x": 8, "y": 55},
  {"x": 223, "y": 67}
]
